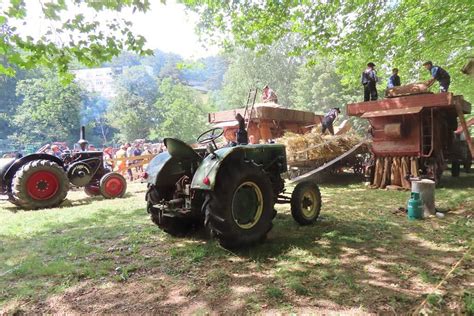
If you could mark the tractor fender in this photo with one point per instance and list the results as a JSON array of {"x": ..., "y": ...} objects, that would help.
[
  {"x": 8, "y": 176},
  {"x": 163, "y": 170},
  {"x": 206, "y": 174},
  {"x": 263, "y": 155}
]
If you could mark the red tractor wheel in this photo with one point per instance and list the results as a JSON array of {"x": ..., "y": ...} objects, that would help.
[
  {"x": 92, "y": 190},
  {"x": 113, "y": 185},
  {"x": 40, "y": 184}
]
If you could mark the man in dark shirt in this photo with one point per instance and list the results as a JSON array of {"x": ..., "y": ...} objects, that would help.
[
  {"x": 438, "y": 74},
  {"x": 369, "y": 81},
  {"x": 394, "y": 80},
  {"x": 241, "y": 135},
  {"x": 329, "y": 119}
]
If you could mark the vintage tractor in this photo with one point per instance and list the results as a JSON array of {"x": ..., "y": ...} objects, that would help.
[
  {"x": 231, "y": 191},
  {"x": 42, "y": 181}
]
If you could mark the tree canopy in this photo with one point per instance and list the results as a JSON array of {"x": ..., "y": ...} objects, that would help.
[
  {"x": 86, "y": 38},
  {"x": 49, "y": 111},
  {"x": 399, "y": 34}
]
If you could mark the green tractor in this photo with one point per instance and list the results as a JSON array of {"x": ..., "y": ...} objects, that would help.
[{"x": 230, "y": 191}]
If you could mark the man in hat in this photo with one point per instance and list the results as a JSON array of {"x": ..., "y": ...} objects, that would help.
[
  {"x": 438, "y": 74},
  {"x": 329, "y": 119},
  {"x": 269, "y": 95},
  {"x": 369, "y": 81}
]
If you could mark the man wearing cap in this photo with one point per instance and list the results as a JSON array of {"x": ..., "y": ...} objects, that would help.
[
  {"x": 438, "y": 74},
  {"x": 369, "y": 81},
  {"x": 329, "y": 119},
  {"x": 269, "y": 95}
]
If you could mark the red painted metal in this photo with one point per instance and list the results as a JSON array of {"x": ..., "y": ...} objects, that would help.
[
  {"x": 114, "y": 186},
  {"x": 42, "y": 185},
  {"x": 438, "y": 111}
]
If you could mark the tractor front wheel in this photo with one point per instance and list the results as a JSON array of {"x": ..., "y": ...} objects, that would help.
[
  {"x": 39, "y": 184},
  {"x": 306, "y": 203},
  {"x": 239, "y": 211},
  {"x": 113, "y": 185}
]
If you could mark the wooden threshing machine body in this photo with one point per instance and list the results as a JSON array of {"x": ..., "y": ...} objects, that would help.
[
  {"x": 416, "y": 127},
  {"x": 266, "y": 122}
]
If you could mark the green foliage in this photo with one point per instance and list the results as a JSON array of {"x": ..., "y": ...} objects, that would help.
[
  {"x": 249, "y": 70},
  {"x": 131, "y": 115},
  {"x": 71, "y": 35},
  {"x": 390, "y": 33},
  {"x": 49, "y": 112},
  {"x": 131, "y": 111},
  {"x": 468, "y": 300},
  {"x": 318, "y": 88},
  {"x": 138, "y": 80},
  {"x": 182, "y": 112}
]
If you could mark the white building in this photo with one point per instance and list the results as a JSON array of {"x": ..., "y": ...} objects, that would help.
[{"x": 99, "y": 80}]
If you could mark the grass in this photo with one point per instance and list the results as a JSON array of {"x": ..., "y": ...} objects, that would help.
[{"x": 105, "y": 256}]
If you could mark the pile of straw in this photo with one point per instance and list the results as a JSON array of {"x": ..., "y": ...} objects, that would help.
[{"x": 314, "y": 146}]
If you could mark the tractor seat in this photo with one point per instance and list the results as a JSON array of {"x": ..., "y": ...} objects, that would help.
[{"x": 180, "y": 150}]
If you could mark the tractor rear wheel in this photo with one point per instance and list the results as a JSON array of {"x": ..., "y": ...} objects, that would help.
[
  {"x": 239, "y": 212},
  {"x": 306, "y": 203},
  {"x": 113, "y": 185},
  {"x": 39, "y": 184}
]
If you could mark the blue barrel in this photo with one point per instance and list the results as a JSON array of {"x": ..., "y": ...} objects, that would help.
[{"x": 415, "y": 207}]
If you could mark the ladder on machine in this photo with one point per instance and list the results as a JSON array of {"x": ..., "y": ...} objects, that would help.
[
  {"x": 252, "y": 96},
  {"x": 427, "y": 129}
]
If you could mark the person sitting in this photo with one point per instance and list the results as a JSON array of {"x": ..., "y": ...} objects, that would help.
[
  {"x": 329, "y": 119},
  {"x": 269, "y": 95}
]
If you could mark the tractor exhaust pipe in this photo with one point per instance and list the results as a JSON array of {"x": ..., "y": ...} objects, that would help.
[{"x": 82, "y": 139}]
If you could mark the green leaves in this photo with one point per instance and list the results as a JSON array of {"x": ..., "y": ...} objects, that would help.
[
  {"x": 49, "y": 111},
  {"x": 398, "y": 34},
  {"x": 82, "y": 38}
]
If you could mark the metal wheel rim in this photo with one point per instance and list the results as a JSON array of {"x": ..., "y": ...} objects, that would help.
[
  {"x": 42, "y": 185},
  {"x": 238, "y": 204},
  {"x": 308, "y": 204},
  {"x": 113, "y": 186}
]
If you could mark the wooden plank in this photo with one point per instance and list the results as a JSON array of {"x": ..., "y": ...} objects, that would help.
[
  {"x": 266, "y": 113},
  {"x": 465, "y": 128},
  {"x": 465, "y": 106},
  {"x": 425, "y": 100}
]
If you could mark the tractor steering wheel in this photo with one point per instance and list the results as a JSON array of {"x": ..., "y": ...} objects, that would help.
[{"x": 210, "y": 136}]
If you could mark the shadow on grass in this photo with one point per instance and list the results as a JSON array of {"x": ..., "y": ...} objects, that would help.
[
  {"x": 344, "y": 262},
  {"x": 67, "y": 203}
]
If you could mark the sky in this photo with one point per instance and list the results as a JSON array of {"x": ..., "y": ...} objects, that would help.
[
  {"x": 169, "y": 28},
  {"x": 166, "y": 27}
]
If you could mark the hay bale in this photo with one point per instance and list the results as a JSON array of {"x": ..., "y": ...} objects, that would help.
[{"x": 314, "y": 146}]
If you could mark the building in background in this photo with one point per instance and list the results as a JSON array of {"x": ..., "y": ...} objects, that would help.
[{"x": 99, "y": 80}]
